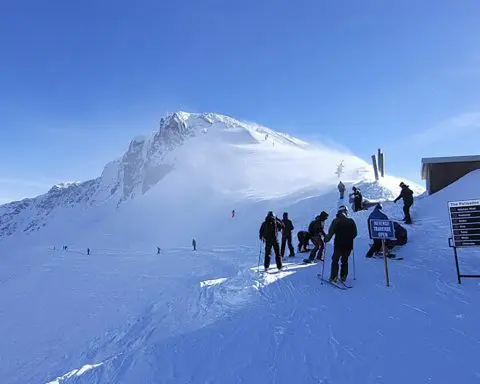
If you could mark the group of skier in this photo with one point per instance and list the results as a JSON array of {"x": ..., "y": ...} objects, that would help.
[{"x": 342, "y": 229}]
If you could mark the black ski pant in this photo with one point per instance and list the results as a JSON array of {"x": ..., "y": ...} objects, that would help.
[
  {"x": 406, "y": 212},
  {"x": 342, "y": 255},
  {"x": 318, "y": 250},
  {"x": 377, "y": 246},
  {"x": 287, "y": 239},
  {"x": 342, "y": 195},
  {"x": 357, "y": 205},
  {"x": 269, "y": 244}
]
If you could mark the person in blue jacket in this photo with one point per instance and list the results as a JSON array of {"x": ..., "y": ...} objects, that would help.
[
  {"x": 400, "y": 232},
  {"x": 376, "y": 214}
]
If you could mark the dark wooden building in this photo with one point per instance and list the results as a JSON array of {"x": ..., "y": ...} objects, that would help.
[{"x": 442, "y": 171}]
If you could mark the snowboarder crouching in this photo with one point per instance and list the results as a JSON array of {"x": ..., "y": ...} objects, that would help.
[{"x": 303, "y": 240}]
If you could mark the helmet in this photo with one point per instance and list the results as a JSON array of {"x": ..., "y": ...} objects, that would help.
[{"x": 342, "y": 208}]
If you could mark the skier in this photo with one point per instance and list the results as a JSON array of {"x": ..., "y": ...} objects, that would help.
[
  {"x": 376, "y": 214},
  {"x": 88, "y": 251},
  {"x": 316, "y": 231},
  {"x": 401, "y": 239},
  {"x": 345, "y": 231},
  {"x": 268, "y": 234},
  {"x": 341, "y": 190},
  {"x": 233, "y": 214},
  {"x": 303, "y": 240},
  {"x": 194, "y": 244},
  {"x": 407, "y": 195},
  {"x": 287, "y": 235},
  {"x": 158, "y": 250},
  {"x": 357, "y": 199}
]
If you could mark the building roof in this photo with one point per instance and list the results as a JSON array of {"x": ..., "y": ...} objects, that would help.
[
  {"x": 441, "y": 160},
  {"x": 450, "y": 159}
]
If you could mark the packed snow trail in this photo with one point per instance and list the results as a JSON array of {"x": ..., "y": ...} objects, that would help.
[
  {"x": 129, "y": 315},
  {"x": 287, "y": 327},
  {"x": 299, "y": 330}
]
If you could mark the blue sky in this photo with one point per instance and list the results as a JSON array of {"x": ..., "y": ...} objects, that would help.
[{"x": 78, "y": 80}]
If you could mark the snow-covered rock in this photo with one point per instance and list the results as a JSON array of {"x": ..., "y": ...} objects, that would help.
[{"x": 194, "y": 157}]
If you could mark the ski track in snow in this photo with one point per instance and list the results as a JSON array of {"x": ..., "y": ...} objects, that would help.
[{"x": 211, "y": 317}]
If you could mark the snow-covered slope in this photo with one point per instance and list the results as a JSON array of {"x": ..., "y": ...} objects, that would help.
[
  {"x": 192, "y": 159},
  {"x": 127, "y": 315},
  {"x": 124, "y": 314}
]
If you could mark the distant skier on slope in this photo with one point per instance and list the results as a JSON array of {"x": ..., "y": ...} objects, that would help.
[
  {"x": 233, "y": 214},
  {"x": 345, "y": 231},
  {"x": 316, "y": 231},
  {"x": 303, "y": 240},
  {"x": 287, "y": 235},
  {"x": 194, "y": 244},
  {"x": 407, "y": 195},
  {"x": 158, "y": 250},
  {"x": 88, "y": 251},
  {"x": 268, "y": 233},
  {"x": 341, "y": 190}
]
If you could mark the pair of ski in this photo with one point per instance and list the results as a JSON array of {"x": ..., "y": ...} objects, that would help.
[
  {"x": 390, "y": 257},
  {"x": 338, "y": 284}
]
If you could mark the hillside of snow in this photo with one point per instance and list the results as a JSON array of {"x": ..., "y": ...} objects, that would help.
[
  {"x": 125, "y": 314},
  {"x": 194, "y": 164},
  {"x": 128, "y": 315}
]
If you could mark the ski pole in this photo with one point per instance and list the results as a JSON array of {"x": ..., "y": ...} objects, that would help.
[
  {"x": 259, "y": 256},
  {"x": 354, "y": 276},
  {"x": 323, "y": 261}
]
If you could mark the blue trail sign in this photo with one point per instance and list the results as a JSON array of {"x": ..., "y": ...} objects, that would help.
[{"x": 382, "y": 229}]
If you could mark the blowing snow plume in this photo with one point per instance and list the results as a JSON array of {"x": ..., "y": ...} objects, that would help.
[
  {"x": 106, "y": 306},
  {"x": 196, "y": 164}
]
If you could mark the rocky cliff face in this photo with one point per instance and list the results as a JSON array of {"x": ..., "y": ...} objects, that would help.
[{"x": 141, "y": 167}]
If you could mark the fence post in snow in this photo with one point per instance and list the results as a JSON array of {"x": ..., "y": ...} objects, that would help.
[
  {"x": 375, "y": 169},
  {"x": 382, "y": 172}
]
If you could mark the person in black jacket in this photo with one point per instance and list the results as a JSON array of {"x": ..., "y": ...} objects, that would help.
[
  {"x": 316, "y": 231},
  {"x": 357, "y": 199},
  {"x": 407, "y": 195},
  {"x": 287, "y": 235},
  {"x": 345, "y": 231},
  {"x": 268, "y": 233},
  {"x": 303, "y": 240}
]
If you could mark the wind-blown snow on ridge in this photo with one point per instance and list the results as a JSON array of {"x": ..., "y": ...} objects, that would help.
[{"x": 191, "y": 158}]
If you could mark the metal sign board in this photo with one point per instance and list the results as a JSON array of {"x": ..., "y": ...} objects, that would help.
[
  {"x": 465, "y": 223},
  {"x": 382, "y": 229}
]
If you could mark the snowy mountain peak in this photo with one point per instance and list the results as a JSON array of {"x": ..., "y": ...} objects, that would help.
[{"x": 193, "y": 156}]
